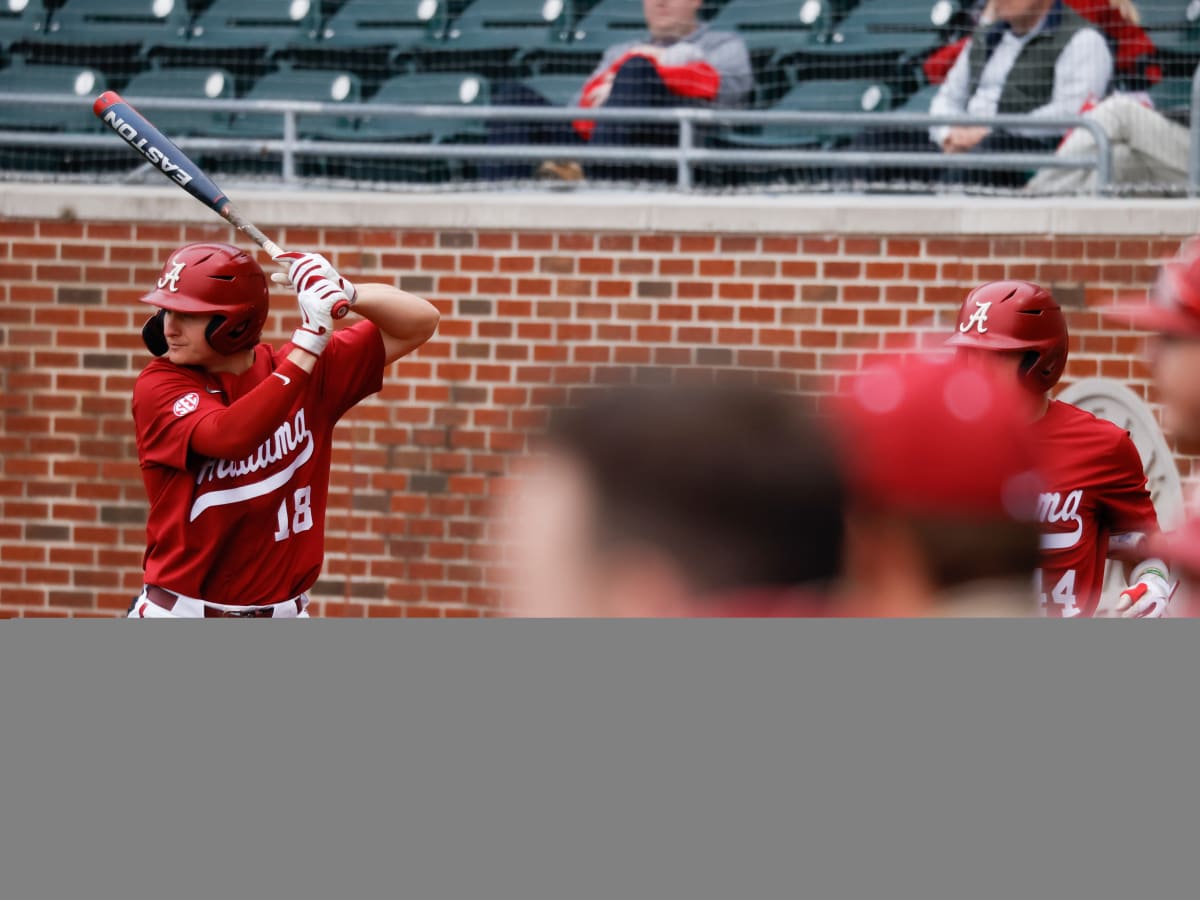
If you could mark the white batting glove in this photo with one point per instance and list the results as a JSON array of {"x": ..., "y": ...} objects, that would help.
[
  {"x": 1148, "y": 594},
  {"x": 306, "y": 268},
  {"x": 316, "y": 314}
]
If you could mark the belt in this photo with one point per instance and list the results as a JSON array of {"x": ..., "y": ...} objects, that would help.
[{"x": 165, "y": 599}]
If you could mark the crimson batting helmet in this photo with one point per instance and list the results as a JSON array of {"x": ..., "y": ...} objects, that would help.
[
  {"x": 217, "y": 279},
  {"x": 1016, "y": 315}
]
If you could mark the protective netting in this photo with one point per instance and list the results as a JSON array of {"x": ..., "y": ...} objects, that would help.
[{"x": 812, "y": 80}]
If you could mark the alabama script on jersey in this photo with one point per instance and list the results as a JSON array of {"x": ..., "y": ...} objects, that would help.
[
  {"x": 245, "y": 531},
  {"x": 1095, "y": 487}
]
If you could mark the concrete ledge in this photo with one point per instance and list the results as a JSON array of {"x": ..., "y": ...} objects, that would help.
[{"x": 615, "y": 211}]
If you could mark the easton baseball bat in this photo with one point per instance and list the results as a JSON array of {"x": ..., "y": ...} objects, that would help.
[{"x": 140, "y": 134}]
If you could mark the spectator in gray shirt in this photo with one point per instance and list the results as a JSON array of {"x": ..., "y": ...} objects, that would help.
[{"x": 679, "y": 62}]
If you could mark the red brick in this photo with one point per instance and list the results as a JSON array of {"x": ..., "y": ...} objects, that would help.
[
  {"x": 517, "y": 264},
  {"x": 776, "y": 292},
  {"x": 697, "y": 243},
  {"x": 676, "y": 266},
  {"x": 495, "y": 240},
  {"x": 694, "y": 290},
  {"x": 718, "y": 268},
  {"x": 780, "y": 245},
  {"x": 821, "y": 246},
  {"x": 735, "y": 291},
  {"x": 656, "y": 243}
]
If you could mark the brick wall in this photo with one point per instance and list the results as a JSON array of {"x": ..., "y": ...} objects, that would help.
[{"x": 526, "y": 314}]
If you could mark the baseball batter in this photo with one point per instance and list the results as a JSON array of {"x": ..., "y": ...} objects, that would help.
[
  {"x": 1094, "y": 504},
  {"x": 234, "y": 437}
]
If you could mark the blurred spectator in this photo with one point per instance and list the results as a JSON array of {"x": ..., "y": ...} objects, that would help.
[
  {"x": 679, "y": 62},
  {"x": 1034, "y": 57},
  {"x": 1119, "y": 20},
  {"x": 1172, "y": 313},
  {"x": 677, "y": 501},
  {"x": 1149, "y": 151},
  {"x": 1094, "y": 505},
  {"x": 942, "y": 519}
]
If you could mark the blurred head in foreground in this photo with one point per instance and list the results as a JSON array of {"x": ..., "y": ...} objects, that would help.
[
  {"x": 678, "y": 501},
  {"x": 943, "y": 511},
  {"x": 1171, "y": 313}
]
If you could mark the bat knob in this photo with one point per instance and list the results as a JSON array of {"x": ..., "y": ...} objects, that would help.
[{"x": 340, "y": 309}]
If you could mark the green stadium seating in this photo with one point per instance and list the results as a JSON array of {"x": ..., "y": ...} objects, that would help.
[
  {"x": 184, "y": 83},
  {"x": 395, "y": 24},
  {"x": 266, "y": 25},
  {"x": 1174, "y": 26},
  {"x": 28, "y": 78},
  {"x": 21, "y": 23},
  {"x": 768, "y": 26},
  {"x": 919, "y": 100},
  {"x": 876, "y": 36},
  {"x": 1173, "y": 98},
  {"x": 560, "y": 90},
  {"x": 108, "y": 24},
  {"x": 322, "y": 86},
  {"x": 491, "y": 32},
  {"x": 609, "y": 22},
  {"x": 441, "y": 89},
  {"x": 821, "y": 95},
  {"x": 431, "y": 88},
  {"x": 772, "y": 27}
]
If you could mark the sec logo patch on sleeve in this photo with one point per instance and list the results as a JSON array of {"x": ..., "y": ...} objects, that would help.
[{"x": 186, "y": 404}]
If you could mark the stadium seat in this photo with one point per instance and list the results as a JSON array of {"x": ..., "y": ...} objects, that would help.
[
  {"x": 560, "y": 90},
  {"x": 490, "y": 32},
  {"x": 321, "y": 86},
  {"x": 839, "y": 95},
  {"x": 608, "y": 22},
  {"x": 768, "y": 26},
  {"x": 918, "y": 101},
  {"x": 441, "y": 89},
  {"x": 21, "y": 22},
  {"x": 431, "y": 88},
  {"x": 1173, "y": 98},
  {"x": 185, "y": 83},
  {"x": 877, "y": 35},
  {"x": 821, "y": 95},
  {"x": 395, "y": 25},
  {"x": 1174, "y": 26},
  {"x": 115, "y": 26},
  {"x": 771, "y": 28},
  {"x": 265, "y": 26},
  {"x": 27, "y": 78}
]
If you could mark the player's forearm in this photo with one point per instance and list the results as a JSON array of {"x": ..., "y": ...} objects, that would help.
[
  {"x": 242, "y": 426},
  {"x": 396, "y": 313}
]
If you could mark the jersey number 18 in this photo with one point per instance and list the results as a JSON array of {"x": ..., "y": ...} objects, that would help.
[{"x": 301, "y": 519}]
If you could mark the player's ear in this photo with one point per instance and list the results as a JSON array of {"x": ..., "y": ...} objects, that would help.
[{"x": 152, "y": 334}]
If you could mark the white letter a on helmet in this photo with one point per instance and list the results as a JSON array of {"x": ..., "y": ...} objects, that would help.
[
  {"x": 170, "y": 281},
  {"x": 978, "y": 318}
]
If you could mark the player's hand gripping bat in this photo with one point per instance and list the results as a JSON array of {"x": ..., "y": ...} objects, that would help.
[{"x": 133, "y": 128}]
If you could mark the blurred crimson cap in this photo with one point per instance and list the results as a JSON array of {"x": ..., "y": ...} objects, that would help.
[
  {"x": 926, "y": 435},
  {"x": 1173, "y": 304}
]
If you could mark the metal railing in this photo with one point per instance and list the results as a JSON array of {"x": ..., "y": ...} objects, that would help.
[
  {"x": 685, "y": 155},
  {"x": 1194, "y": 137}
]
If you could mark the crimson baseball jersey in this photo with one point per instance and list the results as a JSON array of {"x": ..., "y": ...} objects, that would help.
[
  {"x": 245, "y": 531},
  {"x": 1094, "y": 487}
]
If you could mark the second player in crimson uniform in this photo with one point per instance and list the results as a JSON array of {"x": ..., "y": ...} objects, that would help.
[
  {"x": 234, "y": 436},
  {"x": 1171, "y": 312},
  {"x": 1094, "y": 503}
]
